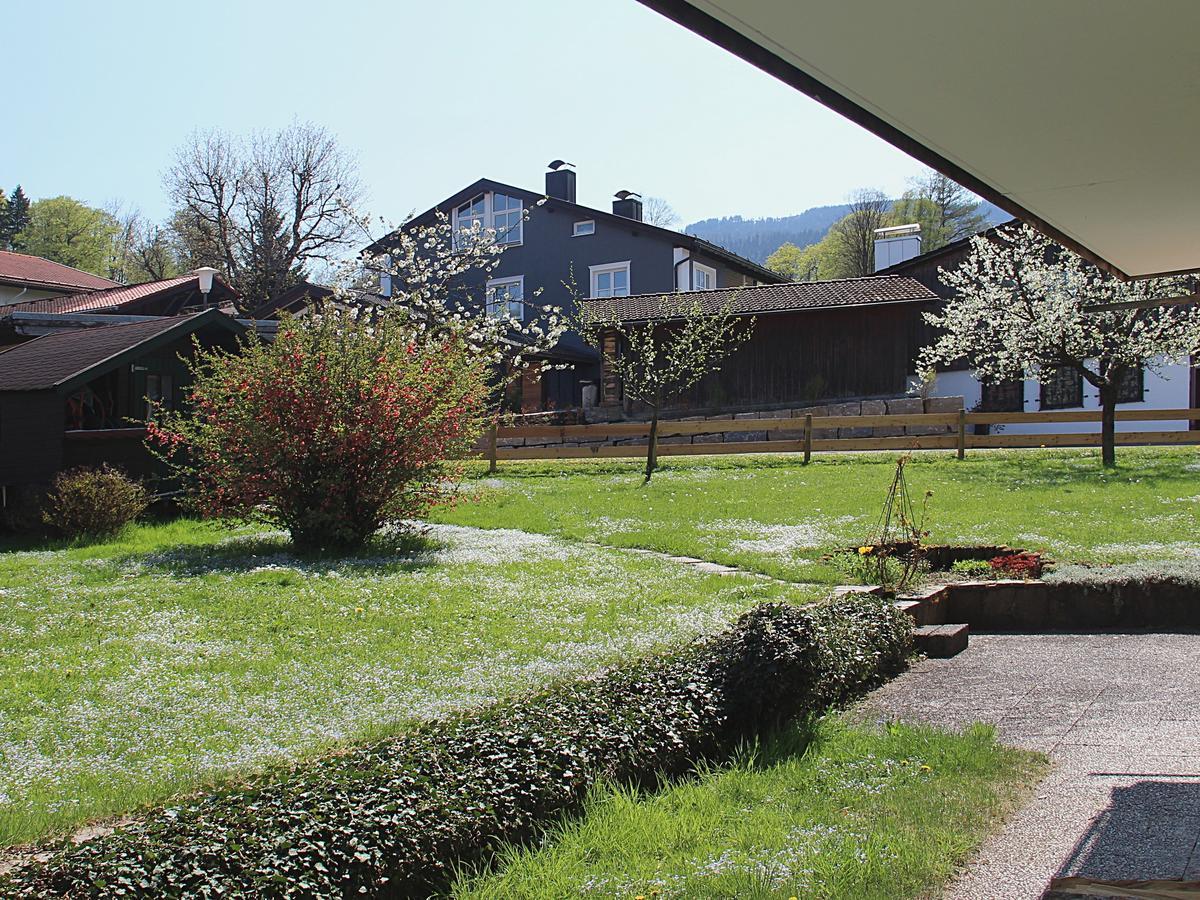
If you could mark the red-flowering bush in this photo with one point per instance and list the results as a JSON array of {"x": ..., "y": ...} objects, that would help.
[
  {"x": 338, "y": 426},
  {"x": 1018, "y": 565}
]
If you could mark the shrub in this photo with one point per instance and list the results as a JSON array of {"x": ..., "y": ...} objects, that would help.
[
  {"x": 338, "y": 426},
  {"x": 973, "y": 568},
  {"x": 396, "y": 818},
  {"x": 98, "y": 503},
  {"x": 1017, "y": 565}
]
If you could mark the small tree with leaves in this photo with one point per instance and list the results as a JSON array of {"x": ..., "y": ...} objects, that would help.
[
  {"x": 661, "y": 358},
  {"x": 1021, "y": 310}
]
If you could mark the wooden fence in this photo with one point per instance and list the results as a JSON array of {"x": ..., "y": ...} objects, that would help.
[{"x": 958, "y": 435}]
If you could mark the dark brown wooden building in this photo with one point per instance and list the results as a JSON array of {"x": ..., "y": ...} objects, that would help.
[
  {"x": 81, "y": 397},
  {"x": 812, "y": 341}
]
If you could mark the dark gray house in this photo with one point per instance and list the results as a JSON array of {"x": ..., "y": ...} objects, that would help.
[{"x": 610, "y": 254}]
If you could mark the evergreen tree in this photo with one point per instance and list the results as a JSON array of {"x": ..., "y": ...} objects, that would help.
[
  {"x": 266, "y": 273},
  {"x": 14, "y": 219}
]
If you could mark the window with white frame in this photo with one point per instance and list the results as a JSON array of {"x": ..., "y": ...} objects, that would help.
[
  {"x": 505, "y": 297},
  {"x": 587, "y": 226},
  {"x": 506, "y": 218},
  {"x": 500, "y": 212},
  {"x": 704, "y": 278},
  {"x": 610, "y": 280}
]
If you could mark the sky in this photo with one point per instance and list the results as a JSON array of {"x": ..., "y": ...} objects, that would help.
[{"x": 428, "y": 97}]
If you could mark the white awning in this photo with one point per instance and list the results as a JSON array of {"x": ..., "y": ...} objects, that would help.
[{"x": 1080, "y": 116}]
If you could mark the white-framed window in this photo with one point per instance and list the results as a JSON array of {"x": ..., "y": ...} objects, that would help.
[
  {"x": 507, "y": 215},
  {"x": 471, "y": 215},
  {"x": 505, "y": 297},
  {"x": 500, "y": 212},
  {"x": 587, "y": 226},
  {"x": 610, "y": 280},
  {"x": 704, "y": 278}
]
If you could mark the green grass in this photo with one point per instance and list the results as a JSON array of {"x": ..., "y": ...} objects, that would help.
[
  {"x": 839, "y": 812},
  {"x": 773, "y": 515},
  {"x": 179, "y": 655}
]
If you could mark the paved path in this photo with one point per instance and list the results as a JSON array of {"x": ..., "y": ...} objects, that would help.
[{"x": 1119, "y": 715}]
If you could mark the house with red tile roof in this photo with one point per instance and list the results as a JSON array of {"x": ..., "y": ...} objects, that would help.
[{"x": 24, "y": 278}]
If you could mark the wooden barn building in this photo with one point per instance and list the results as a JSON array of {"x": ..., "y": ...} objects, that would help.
[
  {"x": 811, "y": 341},
  {"x": 81, "y": 396}
]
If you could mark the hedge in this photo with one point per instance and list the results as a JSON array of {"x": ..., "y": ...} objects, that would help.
[{"x": 395, "y": 818}]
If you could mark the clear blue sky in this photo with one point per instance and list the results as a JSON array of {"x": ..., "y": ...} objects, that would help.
[{"x": 428, "y": 96}]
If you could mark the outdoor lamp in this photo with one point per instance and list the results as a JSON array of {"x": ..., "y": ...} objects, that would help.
[{"x": 205, "y": 274}]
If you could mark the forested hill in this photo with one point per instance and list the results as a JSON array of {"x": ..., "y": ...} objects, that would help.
[{"x": 757, "y": 239}]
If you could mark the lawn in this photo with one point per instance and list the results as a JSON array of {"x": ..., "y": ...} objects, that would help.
[
  {"x": 773, "y": 515},
  {"x": 183, "y": 652},
  {"x": 836, "y": 812}
]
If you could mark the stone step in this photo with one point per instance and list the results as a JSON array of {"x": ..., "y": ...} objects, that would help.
[{"x": 941, "y": 641}]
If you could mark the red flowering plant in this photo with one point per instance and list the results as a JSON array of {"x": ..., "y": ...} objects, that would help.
[{"x": 343, "y": 423}]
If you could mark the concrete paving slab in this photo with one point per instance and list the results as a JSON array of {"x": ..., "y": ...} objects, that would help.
[{"x": 1119, "y": 716}]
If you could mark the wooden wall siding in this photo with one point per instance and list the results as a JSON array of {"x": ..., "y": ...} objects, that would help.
[
  {"x": 31, "y": 430},
  {"x": 816, "y": 355},
  {"x": 123, "y": 448}
]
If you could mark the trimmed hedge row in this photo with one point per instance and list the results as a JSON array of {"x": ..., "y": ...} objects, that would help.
[{"x": 393, "y": 819}]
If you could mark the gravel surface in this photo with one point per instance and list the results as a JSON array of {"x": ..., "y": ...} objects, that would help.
[{"x": 1119, "y": 715}]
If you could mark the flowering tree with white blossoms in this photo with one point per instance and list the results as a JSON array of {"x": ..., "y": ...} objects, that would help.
[
  {"x": 438, "y": 279},
  {"x": 1020, "y": 310}
]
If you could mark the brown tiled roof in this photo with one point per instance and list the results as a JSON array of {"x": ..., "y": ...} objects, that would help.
[
  {"x": 55, "y": 359},
  {"x": 113, "y": 298},
  {"x": 35, "y": 272},
  {"x": 763, "y": 299}
]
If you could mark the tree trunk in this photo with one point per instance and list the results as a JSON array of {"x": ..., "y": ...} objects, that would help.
[
  {"x": 652, "y": 447},
  {"x": 1108, "y": 424}
]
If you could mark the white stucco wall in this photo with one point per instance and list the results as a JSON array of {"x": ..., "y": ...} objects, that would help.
[
  {"x": 12, "y": 294},
  {"x": 1168, "y": 388}
]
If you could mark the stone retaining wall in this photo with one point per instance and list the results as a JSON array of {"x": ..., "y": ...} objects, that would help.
[{"x": 725, "y": 434}]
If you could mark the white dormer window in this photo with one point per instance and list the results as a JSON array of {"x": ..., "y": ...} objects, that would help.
[
  {"x": 586, "y": 227},
  {"x": 610, "y": 280},
  {"x": 506, "y": 297},
  {"x": 500, "y": 212},
  {"x": 704, "y": 278}
]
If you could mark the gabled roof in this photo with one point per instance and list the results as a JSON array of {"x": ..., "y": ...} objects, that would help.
[
  {"x": 763, "y": 299},
  {"x": 121, "y": 297},
  {"x": 293, "y": 300},
  {"x": 66, "y": 359},
  {"x": 678, "y": 237},
  {"x": 23, "y": 270}
]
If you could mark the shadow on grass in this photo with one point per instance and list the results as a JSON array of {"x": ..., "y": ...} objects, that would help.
[{"x": 401, "y": 551}]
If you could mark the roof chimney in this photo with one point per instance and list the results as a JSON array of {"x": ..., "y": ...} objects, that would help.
[
  {"x": 896, "y": 244},
  {"x": 628, "y": 205},
  {"x": 560, "y": 181}
]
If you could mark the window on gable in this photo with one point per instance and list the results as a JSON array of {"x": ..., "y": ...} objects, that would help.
[
  {"x": 470, "y": 216},
  {"x": 1062, "y": 389},
  {"x": 507, "y": 215},
  {"x": 610, "y": 280},
  {"x": 506, "y": 297},
  {"x": 587, "y": 226},
  {"x": 1131, "y": 388},
  {"x": 704, "y": 278}
]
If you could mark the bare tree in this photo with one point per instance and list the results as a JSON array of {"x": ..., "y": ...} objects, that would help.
[
  {"x": 261, "y": 209},
  {"x": 661, "y": 358},
  {"x": 853, "y": 236},
  {"x": 657, "y": 211}
]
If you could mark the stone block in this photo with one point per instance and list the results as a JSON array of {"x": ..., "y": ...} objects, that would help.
[
  {"x": 928, "y": 429},
  {"x": 677, "y": 439},
  {"x": 941, "y": 641},
  {"x": 943, "y": 404},
  {"x": 844, "y": 409},
  {"x": 905, "y": 407},
  {"x": 747, "y": 415},
  {"x": 510, "y": 442},
  {"x": 874, "y": 408},
  {"x": 855, "y": 432},
  {"x": 714, "y": 437},
  {"x": 889, "y": 431},
  {"x": 745, "y": 436},
  {"x": 825, "y": 434},
  {"x": 787, "y": 434}
]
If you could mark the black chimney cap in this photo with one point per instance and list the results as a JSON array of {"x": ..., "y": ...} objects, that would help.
[
  {"x": 556, "y": 164},
  {"x": 625, "y": 195}
]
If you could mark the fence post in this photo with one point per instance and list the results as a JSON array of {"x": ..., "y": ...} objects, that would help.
[
  {"x": 807, "y": 437},
  {"x": 962, "y": 433},
  {"x": 491, "y": 451}
]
